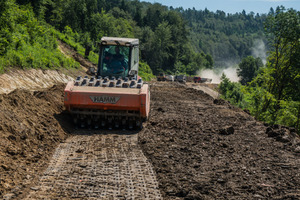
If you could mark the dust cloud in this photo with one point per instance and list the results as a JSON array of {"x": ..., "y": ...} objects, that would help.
[
  {"x": 215, "y": 75},
  {"x": 259, "y": 50}
]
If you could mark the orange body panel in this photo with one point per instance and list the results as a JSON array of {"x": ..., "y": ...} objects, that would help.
[{"x": 108, "y": 98}]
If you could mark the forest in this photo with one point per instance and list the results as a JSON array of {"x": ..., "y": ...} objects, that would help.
[
  {"x": 173, "y": 40},
  {"x": 271, "y": 92},
  {"x": 228, "y": 38},
  {"x": 81, "y": 24}
]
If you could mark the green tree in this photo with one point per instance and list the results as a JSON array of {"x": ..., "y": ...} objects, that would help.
[
  {"x": 27, "y": 42},
  {"x": 154, "y": 15},
  {"x": 248, "y": 69},
  {"x": 159, "y": 54},
  {"x": 284, "y": 60},
  {"x": 104, "y": 24}
]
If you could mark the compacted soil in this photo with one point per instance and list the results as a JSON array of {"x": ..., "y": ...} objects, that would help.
[
  {"x": 192, "y": 147},
  {"x": 98, "y": 165}
]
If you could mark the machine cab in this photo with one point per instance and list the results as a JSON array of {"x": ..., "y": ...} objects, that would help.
[{"x": 118, "y": 57}]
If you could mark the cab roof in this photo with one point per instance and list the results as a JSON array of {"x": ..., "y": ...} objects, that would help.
[{"x": 119, "y": 41}]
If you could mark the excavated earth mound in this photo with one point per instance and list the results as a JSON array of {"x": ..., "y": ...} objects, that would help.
[
  {"x": 207, "y": 149},
  {"x": 30, "y": 129}
]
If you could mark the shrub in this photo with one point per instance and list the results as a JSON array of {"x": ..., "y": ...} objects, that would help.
[{"x": 145, "y": 71}]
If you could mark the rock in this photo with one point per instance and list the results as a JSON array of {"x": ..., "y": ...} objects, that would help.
[
  {"x": 284, "y": 138},
  {"x": 150, "y": 152},
  {"x": 12, "y": 151},
  {"x": 293, "y": 130},
  {"x": 226, "y": 131},
  {"x": 258, "y": 196},
  {"x": 80, "y": 150},
  {"x": 182, "y": 193},
  {"x": 224, "y": 145},
  {"x": 12, "y": 138},
  {"x": 34, "y": 188},
  {"x": 220, "y": 102},
  {"x": 220, "y": 180},
  {"x": 5, "y": 167},
  {"x": 272, "y": 133},
  {"x": 9, "y": 196},
  {"x": 160, "y": 110},
  {"x": 82, "y": 165},
  {"x": 297, "y": 149}
]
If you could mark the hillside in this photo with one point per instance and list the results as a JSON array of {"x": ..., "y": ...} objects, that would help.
[
  {"x": 162, "y": 33},
  {"x": 227, "y": 37},
  {"x": 173, "y": 40}
]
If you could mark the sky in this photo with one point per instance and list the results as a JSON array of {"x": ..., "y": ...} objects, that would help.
[{"x": 231, "y": 6}]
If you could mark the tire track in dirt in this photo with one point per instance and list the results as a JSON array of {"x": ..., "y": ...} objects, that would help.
[{"x": 98, "y": 166}]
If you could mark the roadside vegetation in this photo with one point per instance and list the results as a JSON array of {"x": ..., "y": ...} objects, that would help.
[
  {"x": 172, "y": 40},
  {"x": 81, "y": 24},
  {"x": 271, "y": 93},
  {"x": 26, "y": 42}
]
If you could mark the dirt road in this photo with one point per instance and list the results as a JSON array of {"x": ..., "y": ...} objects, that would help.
[
  {"x": 209, "y": 88},
  {"x": 87, "y": 165},
  {"x": 98, "y": 166},
  {"x": 192, "y": 147}
]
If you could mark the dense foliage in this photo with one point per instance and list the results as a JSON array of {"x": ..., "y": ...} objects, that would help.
[
  {"x": 227, "y": 37},
  {"x": 162, "y": 32},
  {"x": 145, "y": 71},
  {"x": 26, "y": 42},
  {"x": 172, "y": 40},
  {"x": 249, "y": 68},
  {"x": 273, "y": 96}
]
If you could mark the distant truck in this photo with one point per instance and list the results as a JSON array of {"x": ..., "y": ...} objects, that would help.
[
  {"x": 170, "y": 78},
  {"x": 206, "y": 80},
  {"x": 189, "y": 79},
  {"x": 180, "y": 78},
  {"x": 161, "y": 77},
  {"x": 198, "y": 79}
]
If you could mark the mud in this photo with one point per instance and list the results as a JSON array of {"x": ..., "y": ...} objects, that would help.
[{"x": 203, "y": 148}]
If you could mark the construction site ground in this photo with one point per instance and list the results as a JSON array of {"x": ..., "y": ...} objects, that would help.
[{"x": 192, "y": 147}]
